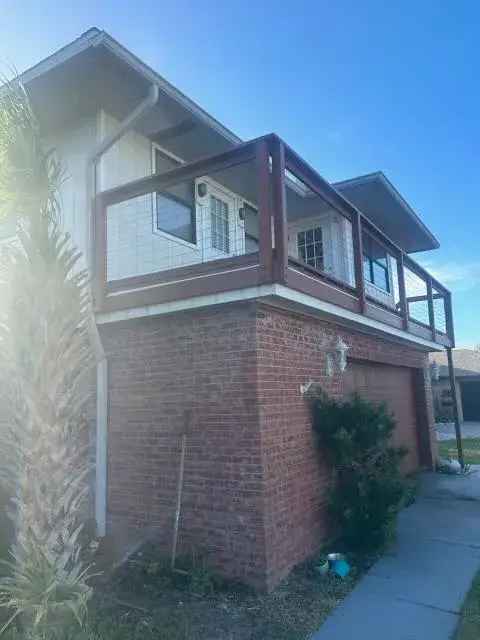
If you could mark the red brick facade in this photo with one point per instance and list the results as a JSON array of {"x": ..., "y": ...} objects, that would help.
[
  {"x": 255, "y": 485},
  {"x": 291, "y": 350}
]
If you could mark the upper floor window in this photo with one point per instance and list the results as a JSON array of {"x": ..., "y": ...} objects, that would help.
[
  {"x": 375, "y": 264},
  {"x": 310, "y": 247},
  {"x": 219, "y": 224},
  {"x": 175, "y": 206}
]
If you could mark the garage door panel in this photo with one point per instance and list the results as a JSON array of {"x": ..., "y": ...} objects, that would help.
[
  {"x": 393, "y": 386},
  {"x": 470, "y": 393}
]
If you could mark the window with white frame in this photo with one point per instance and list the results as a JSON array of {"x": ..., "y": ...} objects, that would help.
[
  {"x": 175, "y": 206},
  {"x": 310, "y": 247},
  {"x": 375, "y": 264},
  {"x": 219, "y": 224}
]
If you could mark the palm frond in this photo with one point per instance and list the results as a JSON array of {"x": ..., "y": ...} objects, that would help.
[
  {"x": 45, "y": 360},
  {"x": 30, "y": 177}
]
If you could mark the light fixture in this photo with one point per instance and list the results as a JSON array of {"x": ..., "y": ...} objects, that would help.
[
  {"x": 329, "y": 365},
  {"x": 435, "y": 371},
  {"x": 335, "y": 359},
  {"x": 341, "y": 352},
  {"x": 305, "y": 388},
  {"x": 202, "y": 189}
]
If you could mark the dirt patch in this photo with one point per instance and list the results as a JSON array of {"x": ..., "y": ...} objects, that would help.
[{"x": 145, "y": 600}]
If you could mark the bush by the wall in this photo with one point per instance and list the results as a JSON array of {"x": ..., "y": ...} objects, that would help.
[{"x": 369, "y": 487}]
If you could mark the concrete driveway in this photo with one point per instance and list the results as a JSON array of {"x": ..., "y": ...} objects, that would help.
[
  {"x": 446, "y": 430},
  {"x": 416, "y": 590}
]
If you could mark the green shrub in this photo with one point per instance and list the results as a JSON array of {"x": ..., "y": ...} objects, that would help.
[{"x": 369, "y": 487}]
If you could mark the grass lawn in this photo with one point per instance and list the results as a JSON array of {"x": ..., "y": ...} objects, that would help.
[
  {"x": 469, "y": 628},
  {"x": 146, "y": 601},
  {"x": 471, "y": 449}
]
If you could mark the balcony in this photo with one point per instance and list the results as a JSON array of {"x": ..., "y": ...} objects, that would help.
[{"x": 257, "y": 215}]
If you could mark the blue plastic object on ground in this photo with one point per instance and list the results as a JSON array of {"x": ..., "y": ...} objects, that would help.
[{"x": 341, "y": 568}]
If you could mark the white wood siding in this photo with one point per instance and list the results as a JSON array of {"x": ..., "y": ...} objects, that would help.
[
  {"x": 135, "y": 245},
  {"x": 128, "y": 159},
  {"x": 73, "y": 148}
]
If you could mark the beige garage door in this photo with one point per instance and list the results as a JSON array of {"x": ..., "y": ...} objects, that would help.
[{"x": 394, "y": 386}]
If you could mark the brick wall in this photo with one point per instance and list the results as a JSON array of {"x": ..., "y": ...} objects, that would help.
[
  {"x": 291, "y": 350},
  {"x": 193, "y": 372},
  {"x": 255, "y": 485}
]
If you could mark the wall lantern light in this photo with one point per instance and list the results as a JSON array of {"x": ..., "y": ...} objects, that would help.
[
  {"x": 202, "y": 189},
  {"x": 434, "y": 371},
  {"x": 336, "y": 359},
  {"x": 341, "y": 352}
]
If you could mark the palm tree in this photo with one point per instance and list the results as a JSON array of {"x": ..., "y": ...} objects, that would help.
[{"x": 45, "y": 357}]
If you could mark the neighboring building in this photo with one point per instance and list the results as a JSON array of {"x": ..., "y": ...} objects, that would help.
[
  {"x": 223, "y": 284},
  {"x": 466, "y": 364}
]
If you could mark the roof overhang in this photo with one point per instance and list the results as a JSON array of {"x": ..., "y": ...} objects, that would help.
[
  {"x": 378, "y": 199},
  {"x": 95, "y": 71}
]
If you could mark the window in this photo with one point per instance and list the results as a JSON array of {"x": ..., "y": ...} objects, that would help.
[
  {"x": 310, "y": 247},
  {"x": 375, "y": 264},
  {"x": 174, "y": 216},
  {"x": 219, "y": 225},
  {"x": 176, "y": 205}
]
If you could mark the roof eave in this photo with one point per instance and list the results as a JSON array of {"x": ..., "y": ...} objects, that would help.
[
  {"x": 380, "y": 176},
  {"x": 95, "y": 38}
]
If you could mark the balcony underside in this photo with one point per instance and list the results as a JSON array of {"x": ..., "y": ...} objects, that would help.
[{"x": 242, "y": 278}]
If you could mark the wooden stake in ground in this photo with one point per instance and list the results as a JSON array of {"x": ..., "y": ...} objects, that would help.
[{"x": 179, "y": 499}]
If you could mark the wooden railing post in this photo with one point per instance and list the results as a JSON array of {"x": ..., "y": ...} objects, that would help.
[
  {"x": 402, "y": 290},
  {"x": 449, "y": 316},
  {"x": 280, "y": 224},
  {"x": 431, "y": 311},
  {"x": 265, "y": 246},
  {"x": 358, "y": 260},
  {"x": 456, "y": 420}
]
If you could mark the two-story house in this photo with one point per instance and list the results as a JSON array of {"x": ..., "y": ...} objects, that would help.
[{"x": 228, "y": 277}]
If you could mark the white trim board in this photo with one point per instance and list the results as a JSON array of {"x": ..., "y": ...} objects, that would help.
[
  {"x": 101, "y": 449},
  {"x": 278, "y": 291}
]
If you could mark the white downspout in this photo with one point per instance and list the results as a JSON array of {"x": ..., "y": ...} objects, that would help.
[
  {"x": 101, "y": 431},
  {"x": 101, "y": 441}
]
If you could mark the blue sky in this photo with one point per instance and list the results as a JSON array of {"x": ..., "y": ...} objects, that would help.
[{"x": 353, "y": 86}]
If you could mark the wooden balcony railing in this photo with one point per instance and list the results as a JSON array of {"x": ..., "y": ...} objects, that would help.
[{"x": 417, "y": 303}]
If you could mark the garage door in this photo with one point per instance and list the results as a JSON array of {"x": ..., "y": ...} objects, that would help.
[
  {"x": 470, "y": 400},
  {"x": 394, "y": 386}
]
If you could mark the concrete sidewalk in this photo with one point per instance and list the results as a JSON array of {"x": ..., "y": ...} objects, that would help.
[
  {"x": 416, "y": 590},
  {"x": 446, "y": 430}
]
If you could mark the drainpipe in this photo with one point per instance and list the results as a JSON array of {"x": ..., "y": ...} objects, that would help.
[
  {"x": 453, "y": 391},
  {"x": 101, "y": 444}
]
